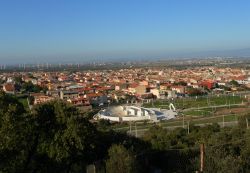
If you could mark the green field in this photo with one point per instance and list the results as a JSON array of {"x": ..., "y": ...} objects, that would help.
[
  {"x": 192, "y": 102},
  {"x": 177, "y": 122},
  {"x": 199, "y": 112}
]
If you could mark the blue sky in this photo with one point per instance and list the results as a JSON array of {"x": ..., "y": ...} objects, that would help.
[{"x": 82, "y": 30}]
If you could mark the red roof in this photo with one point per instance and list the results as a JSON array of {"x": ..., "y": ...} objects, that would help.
[
  {"x": 133, "y": 85},
  {"x": 9, "y": 87},
  {"x": 94, "y": 94}
]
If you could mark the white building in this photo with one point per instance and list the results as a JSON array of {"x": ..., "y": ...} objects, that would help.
[{"x": 133, "y": 113}]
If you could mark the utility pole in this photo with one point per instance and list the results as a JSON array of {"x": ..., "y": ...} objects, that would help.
[
  {"x": 135, "y": 130},
  {"x": 207, "y": 102},
  {"x": 130, "y": 128},
  {"x": 202, "y": 151},
  {"x": 223, "y": 121},
  {"x": 247, "y": 122},
  {"x": 182, "y": 103},
  {"x": 188, "y": 127},
  {"x": 183, "y": 121}
]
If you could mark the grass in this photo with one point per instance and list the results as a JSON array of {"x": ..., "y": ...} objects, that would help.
[
  {"x": 179, "y": 122},
  {"x": 199, "y": 112},
  {"x": 192, "y": 102},
  {"x": 204, "y": 111}
]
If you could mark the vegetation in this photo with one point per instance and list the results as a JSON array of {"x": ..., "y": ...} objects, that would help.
[
  {"x": 120, "y": 160},
  {"x": 27, "y": 87},
  {"x": 24, "y": 101},
  {"x": 56, "y": 137},
  {"x": 197, "y": 102},
  {"x": 234, "y": 83},
  {"x": 195, "y": 92}
]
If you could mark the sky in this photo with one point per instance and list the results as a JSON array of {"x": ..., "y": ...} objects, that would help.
[{"x": 35, "y": 31}]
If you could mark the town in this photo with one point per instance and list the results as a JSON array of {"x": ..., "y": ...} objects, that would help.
[
  {"x": 93, "y": 89},
  {"x": 124, "y": 86}
]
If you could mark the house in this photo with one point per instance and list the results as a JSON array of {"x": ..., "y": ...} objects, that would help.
[
  {"x": 10, "y": 80},
  {"x": 53, "y": 93},
  {"x": 132, "y": 88},
  {"x": 208, "y": 84},
  {"x": 147, "y": 97},
  {"x": 79, "y": 101},
  {"x": 155, "y": 92},
  {"x": 195, "y": 85},
  {"x": 118, "y": 95},
  {"x": 144, "y": 82},
  {"x": 65, "y": 95},
  {"x": 39, "y": 99},
  {"x": 171, "y": 94},
  {"x": 242, "y": 80},
  {"x": 9, "y": 88},
  {"x": 137, "y": 89},
  {"x": 96, "y": 98},
  {"x": 62, "y": 78},
  {"x": 121, "y": 86},
  {"x": 222, "y": 83},
  {"x": 165, "y": 86},
  {"x": 160, "y": 94},
  {"x": 140, "y": 89},
  {"x": 178, "y": 89}
]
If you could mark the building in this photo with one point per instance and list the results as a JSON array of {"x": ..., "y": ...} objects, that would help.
[
  {"x": 121, "y": 86},
  {"x": 96, "y": 98},
  {"x": 80, "y": 101},
  {"x": 178, "y": 89},
  {"x": 9, "y": 88},
  {"x": 39, "y": 99},
  {"x": 134, "y": 113},
  {"x": 65, "y": 95}
]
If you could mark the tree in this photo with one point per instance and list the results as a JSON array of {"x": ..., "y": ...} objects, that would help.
[
  {"x": 14, "y": 129},
  {"x": 220, "y": 160},
  {"x": 18, "y": 79},
  {"x": 62, "y": 136},
  {"x": 120, "y": 160},
  {"x": 10, "y": 104},
  {"x": 30, "y": 87},
  {"x": 104, "y": 124},
  {"x": 182, "y": 83},
  {"x": 243, "y": 120},
  {"x": 234, "y": 83},
  {"x": 194, "y": 91},
  {"x": 2, "y": 81},
  {"x": 54, "y": 137}
]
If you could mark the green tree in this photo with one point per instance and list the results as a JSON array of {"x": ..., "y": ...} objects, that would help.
[
  {"x": 243, "y": 120},
  {"x": 104, "y": 124},
  {"x": 13, "y": 134},
  {"x": 54, "y": 137},
  {"x": 30, "y": 87},
  {"x": 120, "y": 160},
  {"x": 220, "y": 160},
  {"x": 194, "y": 91},
  {"x": 234, "y": 83},
  {"x": 182, "y": 83},
  {"x": 18, "y": 79},
  {"x": 62, "y": 136},
  {"x": 9, "y": 104},
  {"x": 2, "y": 81}
]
